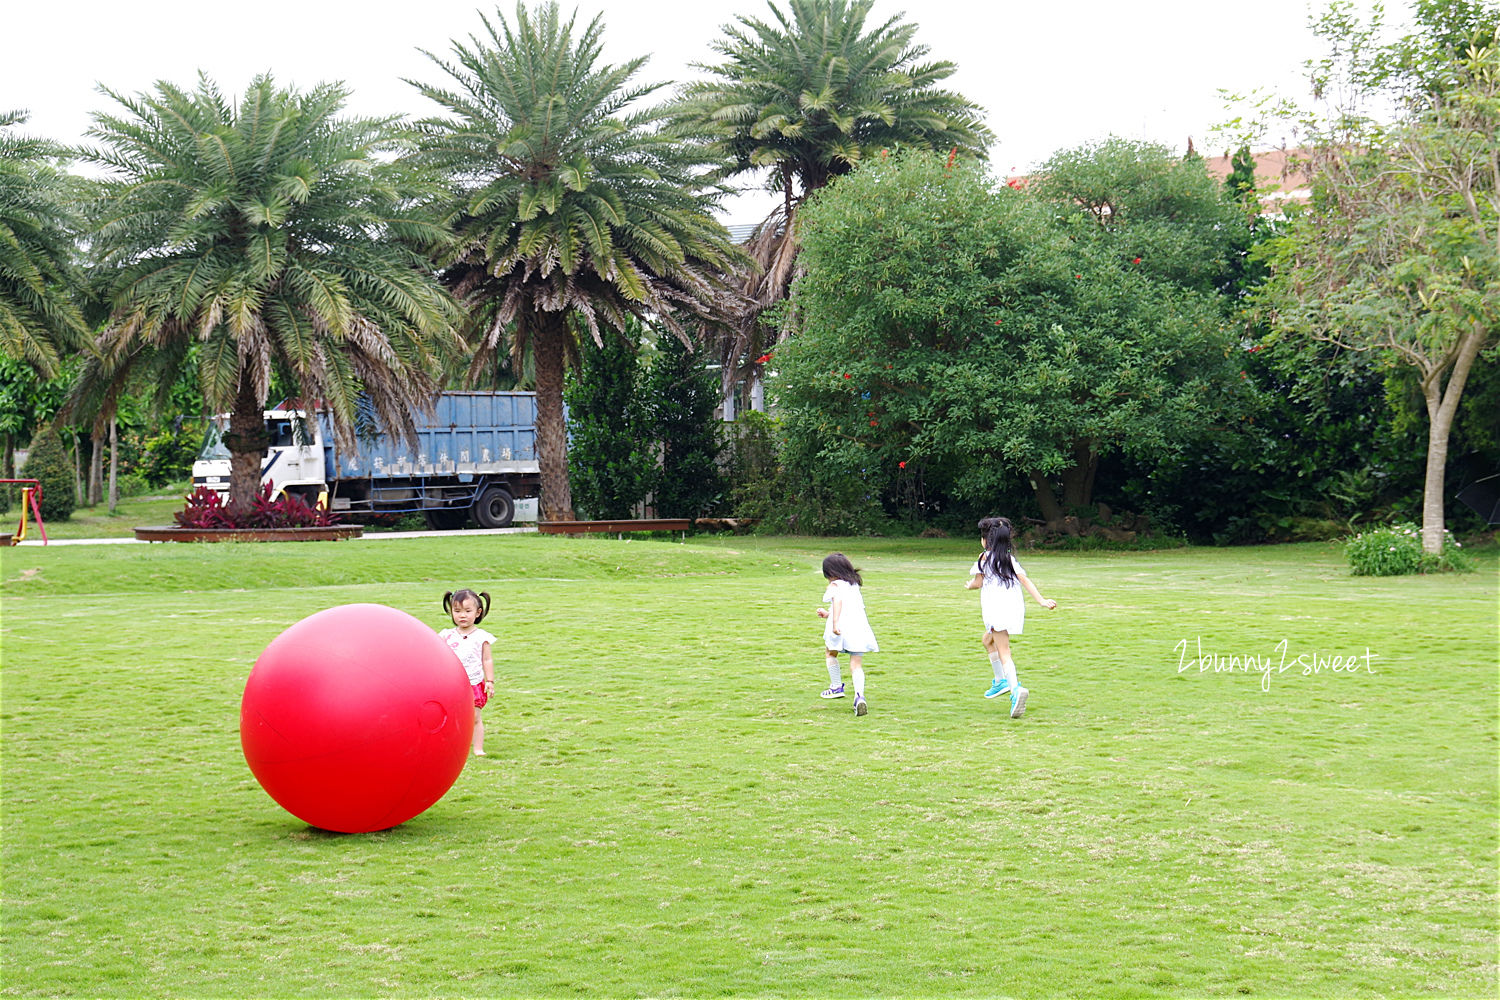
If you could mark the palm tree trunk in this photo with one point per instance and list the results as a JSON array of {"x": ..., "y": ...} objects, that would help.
[
  {"x": 246, "y": 442},
  {"x": 114, "y": 465},
  {"x": 547, "y": 342},
  {"x": 96, "y": 470},
  {"x": 80, "y": 496}
]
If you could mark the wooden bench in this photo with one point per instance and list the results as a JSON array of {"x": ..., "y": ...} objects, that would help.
[{"x": 618, "y": 528}]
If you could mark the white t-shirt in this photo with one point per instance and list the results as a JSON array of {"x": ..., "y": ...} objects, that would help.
[{"x": 469, "y": 649}]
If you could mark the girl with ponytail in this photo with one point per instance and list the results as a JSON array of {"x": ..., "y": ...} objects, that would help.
[{"x": 1000, "y": 579}]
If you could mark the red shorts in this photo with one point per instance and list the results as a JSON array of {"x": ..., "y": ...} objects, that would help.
[{"x": 479, "y": 696}]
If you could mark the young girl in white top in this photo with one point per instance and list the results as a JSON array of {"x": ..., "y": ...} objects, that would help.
[
  {"x": 847, "y": 629},
  {"x": 471, "y": 644},
  {"x": 999, "y": 578}
]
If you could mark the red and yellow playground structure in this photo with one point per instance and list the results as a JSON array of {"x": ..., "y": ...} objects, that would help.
[{"x": 31, "y": 501}]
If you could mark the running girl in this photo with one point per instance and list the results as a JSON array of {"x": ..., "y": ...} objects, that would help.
[
  {"x": 847, "y": 629},
  {"x": 999, "y": 579}
]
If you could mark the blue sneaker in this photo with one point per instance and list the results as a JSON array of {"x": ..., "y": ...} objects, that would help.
[
  {"x": 997, "y": 689},
  {"x": 1018, "y": 702},
  {"x": 859, "y": 705},
  {"x": 837, "y": 692}
]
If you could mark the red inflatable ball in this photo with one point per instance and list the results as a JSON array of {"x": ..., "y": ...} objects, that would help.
[{"x": 357, "y": 718}]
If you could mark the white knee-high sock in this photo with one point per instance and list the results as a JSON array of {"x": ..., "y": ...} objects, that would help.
[
  {"x": 995, "y": 665},
  {"x": 834, "y": 677},
  {"x": 859, "y": 679},
  {"x": 1010, "y": 673}
]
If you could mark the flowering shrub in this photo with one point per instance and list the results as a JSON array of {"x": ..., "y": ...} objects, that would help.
[
  {"x": 206, "y": 509},
  {"x": 1397, "y": 550}
]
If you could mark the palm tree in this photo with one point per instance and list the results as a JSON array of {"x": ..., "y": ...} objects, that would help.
[
  {"x": 572, "y": 211},
  {"x": 39, "y": 284},
  {"x": 259, "y": 238},
  {"x": 805, "y": 96}
]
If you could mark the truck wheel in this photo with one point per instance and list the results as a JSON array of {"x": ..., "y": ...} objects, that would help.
[
  {"x": 446, "y": 518},
  {"x": 495, "y": 508}
]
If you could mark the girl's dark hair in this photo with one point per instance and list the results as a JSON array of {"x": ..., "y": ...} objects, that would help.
[
  {"x": 453, "y": 597},
  {"x": 998, "y": 548},
  {"x": 838, "y": 567}
]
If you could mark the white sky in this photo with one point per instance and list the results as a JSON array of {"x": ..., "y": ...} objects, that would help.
[{"x": 1050, "y": 75}]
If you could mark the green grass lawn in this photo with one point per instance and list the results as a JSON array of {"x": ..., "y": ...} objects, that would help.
[{"x": 668, "y": 808}]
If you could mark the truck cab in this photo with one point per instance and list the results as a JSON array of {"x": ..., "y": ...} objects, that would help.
[{"x": 293, "y": 462}]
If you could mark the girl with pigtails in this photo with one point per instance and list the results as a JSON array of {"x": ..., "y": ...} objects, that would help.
[{"x": 471, "y": 644}]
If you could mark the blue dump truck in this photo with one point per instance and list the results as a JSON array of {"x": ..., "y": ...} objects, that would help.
[{"x": 475, "y": 457}]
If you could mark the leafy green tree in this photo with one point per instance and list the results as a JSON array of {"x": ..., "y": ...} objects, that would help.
[
  {"x": 47, "y": 463},
  {"x": 806, "y": 95},
  {"x": 572, "y": 211},
  {"x": 610, "y": 458},
  {"x": 40, "y": 321},
  {"x": 1399, "y": 252},
  {"x": 271, "y": 235},
  {"x": 954, "y": 325},
  {"x": 682, "y": 394},
  {"x": 27, "y": 401},
  {"x": 1164, "y": 215},
  {"x": 1241, "y": 179}
]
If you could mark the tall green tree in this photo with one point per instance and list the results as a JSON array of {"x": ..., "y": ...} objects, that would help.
[
  {"x": 274, "y": 235},
  {"x": 1162, "y": 214},
  {"x": 40, "y": 320},
  {"x": 805, "y": 95},
  {"x": 1399, "y": 252},
  {"x": 27, "y": 401},
  {"x": 574, "y": 207},
  {"x": 47, "y": 463},
  {"x": 610, "y": 456},
  {"x": 682, "y": 394},
  {"x": 973, "y": 331}
]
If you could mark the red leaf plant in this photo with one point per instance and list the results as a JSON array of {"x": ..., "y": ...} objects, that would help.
[{"x": 206, "y": 509}]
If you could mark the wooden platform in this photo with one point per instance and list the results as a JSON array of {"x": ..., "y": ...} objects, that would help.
[{"x": 620, "y": 527}]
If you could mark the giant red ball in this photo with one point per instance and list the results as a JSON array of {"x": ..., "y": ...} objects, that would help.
[{"x": 357, "y": 718}]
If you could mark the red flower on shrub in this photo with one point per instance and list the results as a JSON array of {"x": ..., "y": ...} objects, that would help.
[
  {"x": 900, "y": 465},
  {"x": 763, "y": 358}
]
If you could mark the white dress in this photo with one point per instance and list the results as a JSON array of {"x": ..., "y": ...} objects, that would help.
[
  {"x": 855, "y": 635},
  {"x": 469, "y": 649},
  {"x": 1002, "y": 605}
]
